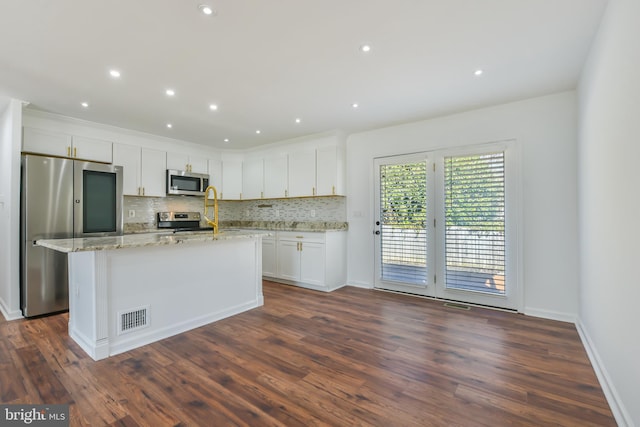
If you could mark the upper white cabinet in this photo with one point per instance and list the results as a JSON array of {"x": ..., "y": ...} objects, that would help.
[
  {"x": 92, "y": 149},
  {"x": 128, "y": 156},
  {"x": 275, "y": 177},
  {"x": 253, "y": 178},
  {"x": 215, "y": 173},
  {"x": 302, "y": 173},
  {"x": 63, "y": 145},
  {"x": 231, "y": 180},
  {"x": 187, "y": 162},
  {"x": 153, "y": 172},
  {"x": 329, "y": 171},
  {"x": 144, "y": 170}
]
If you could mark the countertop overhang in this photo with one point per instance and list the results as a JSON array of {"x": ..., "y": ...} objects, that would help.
[{"x": 144, "y": 239}]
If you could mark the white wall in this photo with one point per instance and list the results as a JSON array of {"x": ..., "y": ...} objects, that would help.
[
  {"x": 609, "y": 201},
  {"x": 10, "y": 138},
  {"x": 545, "y": 128}
]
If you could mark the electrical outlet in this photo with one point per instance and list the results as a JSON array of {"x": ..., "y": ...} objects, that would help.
[
  {"x": 313, "y": 213},
  {"x": 132, "y": 213}
]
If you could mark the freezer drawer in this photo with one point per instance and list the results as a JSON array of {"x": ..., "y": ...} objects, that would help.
[{"x": 45, "y": 276}]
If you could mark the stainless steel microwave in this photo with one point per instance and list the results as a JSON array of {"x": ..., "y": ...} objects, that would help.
[{"x": 186, "y": 183}]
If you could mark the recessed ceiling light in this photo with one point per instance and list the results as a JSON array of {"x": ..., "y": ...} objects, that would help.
[
  {"x": 258, "y": 131},
  {"x": 226, "y": 140},
  {"x": 114, "y": 73},
  {"x": 365, "y": 48},
  {"x": 355, "y": 105},
  {"x": 478, "y": 72},
  {"x": 213, "y": 107},
  {"x": 85, "y": 104},
  {"x": 206, "y": 9},
  {"x": 170, "y": 92},
  {"x": 169, "y": 125},
  {"x": 298, "y": 120}
]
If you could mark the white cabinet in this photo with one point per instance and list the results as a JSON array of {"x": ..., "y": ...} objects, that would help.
[
  {"x": 198, "y": 164},
  {"x": 302, "y": 173},
  {"x": 314, "y": 260},
  {"x": 275, "y": 176},
  {"x": 231, "y": 180},
  {"x": 215, "y": 175},
  {"x": 288, "y": 260},
  {"x": 153, "y": 173},
  {"x": 144, "y": 170},
  {"x": 253, "y": 179},
  {"x": 269, "y": 257},
  {"x": 329, "y": 171},
  {"x": 63, "y": 145},
  {"x": 128, "y": 156},
  {"x": 92, "y": 149},
  {"x": 187, "y": 162}
]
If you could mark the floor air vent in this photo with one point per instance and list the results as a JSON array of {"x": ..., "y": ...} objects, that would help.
[
  {"x": 458, "y": 306},
  {"x": 132, "y": 320}
]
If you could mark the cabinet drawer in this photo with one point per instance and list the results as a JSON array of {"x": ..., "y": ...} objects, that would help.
[{"x": 302, "y": 236}]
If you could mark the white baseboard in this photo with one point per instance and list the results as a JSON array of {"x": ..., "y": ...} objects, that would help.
[
  {"x": 357, "y": 284},
  {"x": 9, "y": 314},
  {"x": 550, "y": 314},
  {"x": 615, "y": 403}
]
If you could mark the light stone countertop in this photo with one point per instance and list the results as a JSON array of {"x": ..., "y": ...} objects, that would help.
[
  {"x": 144, "y": 239},
  {"x": 314, "y": 226}
]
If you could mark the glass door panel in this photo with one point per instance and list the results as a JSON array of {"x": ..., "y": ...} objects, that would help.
[{"x": 401, "y": 232}]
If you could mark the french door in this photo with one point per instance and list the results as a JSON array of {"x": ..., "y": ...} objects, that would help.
[{"x": 445, "y": 225}]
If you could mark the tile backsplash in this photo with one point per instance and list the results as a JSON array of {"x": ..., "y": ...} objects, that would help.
[{"x": 329, "y": 209}]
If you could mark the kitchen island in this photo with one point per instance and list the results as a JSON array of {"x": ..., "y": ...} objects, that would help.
[{"x": 132, "y": 290}]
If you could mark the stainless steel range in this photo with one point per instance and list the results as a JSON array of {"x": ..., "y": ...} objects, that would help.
[{"x": 180, "y": 221}]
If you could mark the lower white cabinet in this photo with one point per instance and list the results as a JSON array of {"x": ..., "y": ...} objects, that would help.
[
  {"x": 314, "y": 260},
  {"x": 269, "y": 260}
]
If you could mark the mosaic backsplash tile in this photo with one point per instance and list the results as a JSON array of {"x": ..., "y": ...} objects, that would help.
[{"x": 306, "y": 209}]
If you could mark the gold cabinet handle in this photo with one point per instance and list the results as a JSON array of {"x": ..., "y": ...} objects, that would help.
[
  {"x": 286, "y": 193},
  {"x": 313, "y": 190},
  {"x": 240, "y": 196},
  {"x": 75, "y": 152},
  {"x": 262, "y": 194},
  {"x": 68, "y": 151},
  {"x": 333, "y": 190},
  {"x": 299, "y": 237},
  {"x": 143, "y": 191}
]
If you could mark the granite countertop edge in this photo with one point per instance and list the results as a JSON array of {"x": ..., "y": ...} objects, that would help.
[
  {"x": 311, "y": 226},
  {"x": 142, "y": 240}
]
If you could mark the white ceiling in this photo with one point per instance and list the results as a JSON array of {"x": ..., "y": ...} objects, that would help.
[{"x": 265, "y": 63}]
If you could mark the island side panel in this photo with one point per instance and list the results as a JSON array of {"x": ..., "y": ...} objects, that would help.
[
  {"x": 88, "y": 304},
  {"x": 181, "y": 286}
]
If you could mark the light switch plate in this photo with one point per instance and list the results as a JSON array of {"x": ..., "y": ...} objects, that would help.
[{"x": 132, "y": 213}]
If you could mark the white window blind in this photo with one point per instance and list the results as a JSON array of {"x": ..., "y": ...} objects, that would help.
[
  {"x": 403, "y": 208},
  {"x": 475, "y": 223}
]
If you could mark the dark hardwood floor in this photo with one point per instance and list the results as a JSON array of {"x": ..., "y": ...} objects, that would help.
[{"x": 346, "y": 358}]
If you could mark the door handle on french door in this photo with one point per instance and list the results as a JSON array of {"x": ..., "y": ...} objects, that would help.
[{"x": 376, "y": 232}]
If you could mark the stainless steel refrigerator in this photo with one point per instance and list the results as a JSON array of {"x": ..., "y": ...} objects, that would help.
[{"x": 61, "y": 198}]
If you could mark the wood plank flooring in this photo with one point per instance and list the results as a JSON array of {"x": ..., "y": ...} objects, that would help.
[{"x": 347, "y": 358}]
